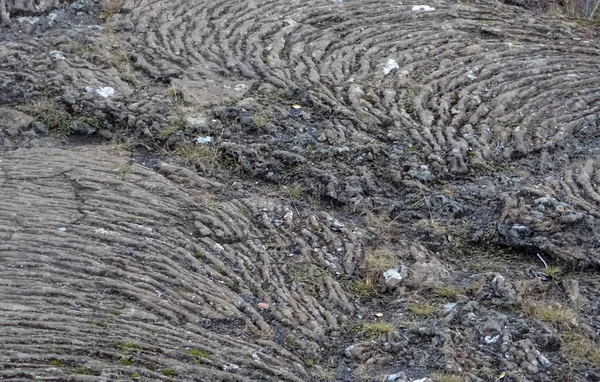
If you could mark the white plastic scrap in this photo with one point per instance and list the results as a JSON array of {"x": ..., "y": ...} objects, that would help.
[
  {"x": 105, "y": 92},
  {"x": 230, "y": 366},
  {"x": 390, "y": 66},
  {"x": 30, "y": 20},
  {"x": 240, "y": 87},
  {"x": 58, "y": 55},
  {"x": 204, "y": 139},
  {"x": 491, "y": 340},
  {"x": 423, "y": 8},
  {"x": 338, "y": 1}
]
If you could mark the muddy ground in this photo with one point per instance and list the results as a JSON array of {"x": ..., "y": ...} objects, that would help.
[{"x": 283, "y": 190}]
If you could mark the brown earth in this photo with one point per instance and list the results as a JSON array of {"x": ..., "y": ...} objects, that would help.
[{"x": 298, "y": 191}]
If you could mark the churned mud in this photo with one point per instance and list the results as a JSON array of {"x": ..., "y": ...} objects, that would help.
[{"x": 356, "y": 190}]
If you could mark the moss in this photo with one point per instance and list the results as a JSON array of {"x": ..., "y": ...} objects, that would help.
[
  {"x": 129, "y": 347},
  {"x": 84, "y": 370},
  {"x": 168, "y": 372},
  {"x": 197, "y": 353},
  {"x": 135, "y": 376},
  {"x": 57, "y": 362},
  {"x": 125, "y": 362}
]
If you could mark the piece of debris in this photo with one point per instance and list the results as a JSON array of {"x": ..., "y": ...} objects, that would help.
[
  {"x": 240, "y": 87},
  {"x": 57, "y": 55},
  {"x": 62, "y": 229},
  {"x": 422, "y": 8},
  {"x": 338, "y": 1},
  {"x": 230, "y": 366},
  {"x": 105, "y": 92},
  {"x": 296, "y": 106},
  {"x": 206, "y": 139},
  {"x": 28, "y": 19},
  {"x": 392, "y": 277},
  {"x": 378, "y": 314},
  {"x": 263, "y": 305},
  {"x": 390, "y": 66}
]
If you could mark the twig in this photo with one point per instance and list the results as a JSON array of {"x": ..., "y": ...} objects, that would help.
[{"x": 540, "y": 257}]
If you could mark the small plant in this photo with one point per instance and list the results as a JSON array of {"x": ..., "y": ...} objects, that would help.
[
  {"x": 422, "y": 310},
  {"x": 447, "y": 292},
  {"x": 446, "y": 377},
  {"x": 57, "y": 362},
  {"x": 197, "y": 353},
  {"x": 125, "y": 362},
  {"x": 553, "y": 271},
  {"x": 113, "y": 312},
  {"x": 553, "y": 313},
  {"x": 99, "y": 324},
  {"x": 168, "y": 372},
  {"x": 293, "y": 192},
  {"x": 129, "y": 347},
  {"x": 112, "y": 7},
  {"x": 124, "y": 169},
  {"x": 177, "y": 125},
  {"x": 135, "y": 376},
  {"x": 364, "y": 288},
  {"x": 204, "y": 156},
  {"x": 84, "y": 370},
  {"x": 376, "y": 329},
  {"x": 379, "y": 261}
]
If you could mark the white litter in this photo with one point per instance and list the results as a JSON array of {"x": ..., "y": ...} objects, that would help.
[
  {"x": 390, "y": 66},
  {"x": 491, "y": 340},
  {"x": 27, "y": 19},
  {"x": 338, "y": 1},
  {"x": 105, "y": 92},
  {"x": 422, "y": 8},
  {"x": 204, "y": 139},
  {"x": 240, "y": 87},
  {"x": 62, "y": 229},
  {"x": 58, "y": 55}
]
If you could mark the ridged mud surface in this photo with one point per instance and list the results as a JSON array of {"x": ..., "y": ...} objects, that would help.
[{"x": 298, "y": 191}]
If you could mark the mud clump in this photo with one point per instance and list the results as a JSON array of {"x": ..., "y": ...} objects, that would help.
[{"x": 343, "y": 191}]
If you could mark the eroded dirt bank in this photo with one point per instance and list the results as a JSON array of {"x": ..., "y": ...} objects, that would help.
[{"x": 298, "y": 191}]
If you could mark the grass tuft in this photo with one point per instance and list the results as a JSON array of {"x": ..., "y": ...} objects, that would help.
[
  {"x": 376, "y": 329},
  {"x": 293, "y": 192},
  {"x": 553, "y": 313},
  {"x": 446, "y": 377},
  {"x": 422, "y": 310},
  {"x": 447, "y": 292}
]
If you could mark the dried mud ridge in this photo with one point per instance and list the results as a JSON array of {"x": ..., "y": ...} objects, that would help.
[{"x": 382, "y": 191}]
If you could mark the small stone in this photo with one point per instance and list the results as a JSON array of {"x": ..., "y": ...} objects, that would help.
[{"x": 263, "y": 305}]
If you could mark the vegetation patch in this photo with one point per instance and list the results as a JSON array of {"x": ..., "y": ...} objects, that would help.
[
  {"x": 553, "y": 313},
  {"x": 197, "y": 353},
  {"x": 421, "y": 310},
  {"x": 376, "y": 329}
]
